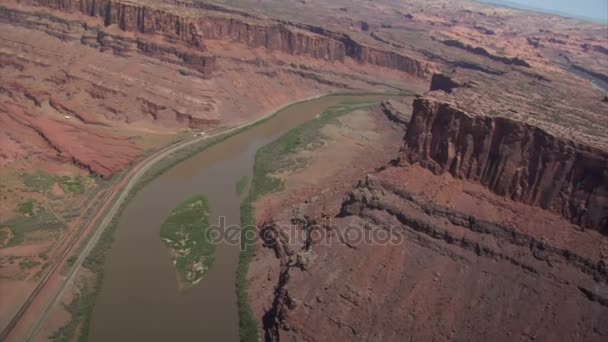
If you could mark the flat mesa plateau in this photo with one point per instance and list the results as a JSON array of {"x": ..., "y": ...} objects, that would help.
[{"x": 453, "y": 186}]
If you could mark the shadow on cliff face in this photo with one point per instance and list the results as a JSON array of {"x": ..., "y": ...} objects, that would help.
[{"x": 512, "y": 159}]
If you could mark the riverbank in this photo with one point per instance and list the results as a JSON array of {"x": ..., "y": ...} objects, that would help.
[
  {"x": 270, "y": 160},
  {"x": 95, "y": 261},
  {"x": 308, "y": 182},
  {"x": 81, "y": 306}
]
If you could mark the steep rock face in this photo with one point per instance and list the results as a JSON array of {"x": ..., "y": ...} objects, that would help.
[
  {"x": 444, "y": 83},
  {"x": 291, "y": 38},
  {"x": 310, "y": 41},
  {"x": 483, "y": 52},
  {"x": 433, "y": 262},
  {"x": 121, "y": 45},
  {"x": 133, "y": 17},
  {"x": 273, "y": 37},
  {"x": 512, "y": 159},
  {"x": 388, "y": 59}
]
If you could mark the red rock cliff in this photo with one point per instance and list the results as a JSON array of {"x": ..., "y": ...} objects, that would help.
[
  {"x": 193, "y": 27},
  {"x": 512, "y": 159},
  {"x": 133, "y": 17}
]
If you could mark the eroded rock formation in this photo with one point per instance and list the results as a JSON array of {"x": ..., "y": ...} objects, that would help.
[
  {"x": 512, "y": 159},
  {"x": 477, "y": 50},
  {"x": 443, "y": 82},
  {"x": 451, "y": 260},
  {"x": 276, "y": 35}
]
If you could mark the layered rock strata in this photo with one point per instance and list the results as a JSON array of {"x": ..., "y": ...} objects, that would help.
[{"x": 512, "y": 159}]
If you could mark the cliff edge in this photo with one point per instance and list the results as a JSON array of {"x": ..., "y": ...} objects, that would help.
[{"x": 512, "y": 159}]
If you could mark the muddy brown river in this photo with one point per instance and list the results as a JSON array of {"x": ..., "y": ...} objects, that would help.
[{"x": 139, "y": 299}]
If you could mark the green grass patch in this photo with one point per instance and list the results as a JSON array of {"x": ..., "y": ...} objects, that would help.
[
  {"x": 241, "y": 184},
  {"x": 38, "y": 181},
  {"x": 71, "y": 260},
  {"x": 26, "y": 207},
  {"x": 185, "y": 233},
  {"x": 248, "y": 325},
  {"x": 23, "y": 225},
  {"x": 79, "y": 309},
  {"x": 3, "y": 236},
  {"x": 76, "y": 185},
  {"x": 42, "y": 182},
  {"x": 28, "y": 263}
]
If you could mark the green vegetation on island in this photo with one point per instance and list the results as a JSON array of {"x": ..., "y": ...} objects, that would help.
[
  {"x": 241, "y": 184},
  {"x": 185, "y": 232}
]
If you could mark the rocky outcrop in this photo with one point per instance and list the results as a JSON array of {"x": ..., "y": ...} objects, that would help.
[
  {"x": 431, "y": 261},
  {"x": 597, "y": 48},
  {"x": 76, "y": 143},
  {"x": 392, "y": 113},
  {"x": 120, "y": 45},
  {"x": 425, "y": 217},
  {"x": 369, "y": 55},
  {"x": 278, "y": 37},
  {"x": 308, "y": 40},
  {"x": 203, "y": 63},
  {"x": 512, "y": 159},
  {"x": 444, "y": 83},
  {"x": 196, "y": 123},
  {"x": 455, "y": 63},
  {"x": 594, "y": 74},
  {"x": 192, "y": 29},
  {"x": 132, "y": 17},
  {"x": 483, "y": 52},
  {"x": 484, "y": 30}
]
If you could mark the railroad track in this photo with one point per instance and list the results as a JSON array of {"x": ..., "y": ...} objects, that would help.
[
  {"x": 58, "y": 261},
  {"x": 76, "y": 236},
  {"x": 124, "y": 185}
]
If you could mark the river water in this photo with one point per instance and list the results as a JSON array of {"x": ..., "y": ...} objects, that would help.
[{"x": 139, "y": 299}]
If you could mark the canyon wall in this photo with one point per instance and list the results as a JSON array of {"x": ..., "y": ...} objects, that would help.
[
  {"x": 97, "y": 37},
  {"x": 512, "y": 159},
  {"x": 132, "y": 17},
  {"x": 193, "y": 28}
]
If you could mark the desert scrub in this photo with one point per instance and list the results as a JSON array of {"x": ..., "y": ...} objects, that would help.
[
  {"x": 26, "y": 207},
  {"x": 28, "y": 263},
  {"x": 42, "y": 182},
  {"x": 39, "y": 219},
  {"x": 241, "y": 184},
  {"x": 185, "y": 232}
]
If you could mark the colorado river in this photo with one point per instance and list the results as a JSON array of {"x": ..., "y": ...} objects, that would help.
[{"x": 139, "y": 299}]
